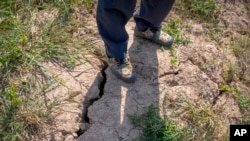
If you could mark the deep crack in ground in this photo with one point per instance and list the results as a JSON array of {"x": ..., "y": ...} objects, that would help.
[
  {"x": 102, "y": 84},
  {"x": 88, "y": 103}
]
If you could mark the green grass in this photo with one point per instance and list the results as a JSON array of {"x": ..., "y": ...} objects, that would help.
[
  {"x": 225, "y": 88},
  {"x": 19, "y": 117},
  {"x": 203, "y": 120},
  {"x": 203, "y": 12},
  {"x": 204, "y": 9},
  {"x": 89, "y": 4},
  {"x": 244, "y": 104},
  {"x": 174, "y": 59},
  {"x": 22, "y": 52},
  {"x": 157, "y": 129},
  {"x": 214, "y": 33},
  {"x": 241, "y": 49},
  {"x": 174, "y": 29},
  {"x": 198, "y": 9},
  {"x": 231, "y": 73},
  {"x": 242, "y": 100}
]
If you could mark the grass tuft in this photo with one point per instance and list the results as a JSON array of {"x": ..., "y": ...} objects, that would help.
[
  {"x": 244, "y": 104},
  {"x": 198, "y": 9},
  {"x": 157, "y": 129},
  {"x": 241, "y": 49},
  {"x": 203, "y": 120},
  {"x": 242, "y": 100},
  {"x": 173, "y": 28}
]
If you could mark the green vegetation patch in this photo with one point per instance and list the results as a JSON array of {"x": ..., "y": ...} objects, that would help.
[
  {"x": 242, "y": 100},
  {"x": 204, "y": 9},
  {"x": 157, "y": 129},
  {"x": 174, "y": 29},
  {"x": 198, "y": 9},
  {"x": 204, "y": 120},
  {"x": 241, "y": 49},
  {"x": 19, "y": 117},
  {"x": 33, "y": 32}
]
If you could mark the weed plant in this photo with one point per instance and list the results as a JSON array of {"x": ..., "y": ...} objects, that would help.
[
  {"x": 157, "y": 129},
  {"x": 205, "y": 10},
  {"x": 241, "y": 49},
  {"x": 173, "y": 28},
  {"x": 242, "y": 100},
  {"x": 203, "y": 120}
]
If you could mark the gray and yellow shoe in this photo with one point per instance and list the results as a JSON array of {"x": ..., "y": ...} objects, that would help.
[
  {"x": 158, "y": 37},
  {"x": 122, "y": 69}
]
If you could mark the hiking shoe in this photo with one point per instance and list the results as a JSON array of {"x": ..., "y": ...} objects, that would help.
[
  {"x": 158, "y": 37},
  {"x": 122, "y": 69}
]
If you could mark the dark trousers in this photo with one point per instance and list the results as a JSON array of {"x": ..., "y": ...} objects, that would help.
[{"x": 113, "y": 15}]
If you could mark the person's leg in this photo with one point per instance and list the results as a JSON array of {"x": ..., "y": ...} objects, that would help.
[
  {"x": 112, "y": 16},
  {"x": 152, "y": 13},
  {"x": 149, "y": 19}
]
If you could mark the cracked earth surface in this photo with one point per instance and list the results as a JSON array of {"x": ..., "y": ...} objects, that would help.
[
  {"x": 158, "y": 83},
  {"x": 93, "y": 104}
]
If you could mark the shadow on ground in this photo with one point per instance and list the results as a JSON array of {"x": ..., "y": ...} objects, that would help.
[{"x": 108, "y": 117}]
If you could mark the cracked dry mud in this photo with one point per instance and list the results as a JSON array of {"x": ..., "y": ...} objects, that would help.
[
  {"x": 93, "y": 104},
  {"x": 86, "y": 115},
  {"x": 158, "y": 83}
]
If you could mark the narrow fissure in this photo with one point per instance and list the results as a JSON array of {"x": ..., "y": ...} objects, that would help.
[
  {"x": 79, "y": 132},
  {"x": 90, "y": 102},
  {"x": 102, "y": 84},
  {"x": 87, "y": 104},
  {"x": 217, "y": 97}
]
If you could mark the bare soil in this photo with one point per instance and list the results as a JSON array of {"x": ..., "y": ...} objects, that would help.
[{"x": 93, "y": 105}]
